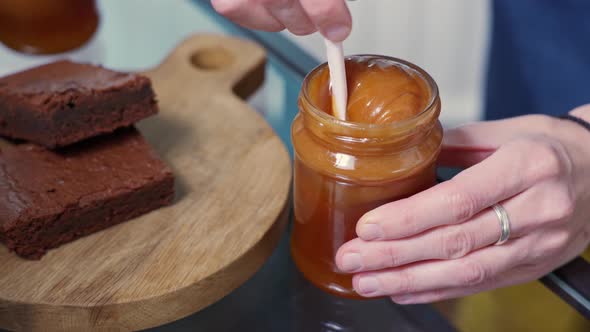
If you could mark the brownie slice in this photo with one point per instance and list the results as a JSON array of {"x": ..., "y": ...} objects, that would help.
[
  {"x": 63, "y": 102},
  {"x": 48, "y": 198}
]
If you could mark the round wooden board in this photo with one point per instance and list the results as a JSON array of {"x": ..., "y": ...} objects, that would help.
[{"x": 233, "y": 178}]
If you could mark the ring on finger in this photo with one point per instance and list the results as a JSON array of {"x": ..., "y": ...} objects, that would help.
[{"x": 504, "y": 223}]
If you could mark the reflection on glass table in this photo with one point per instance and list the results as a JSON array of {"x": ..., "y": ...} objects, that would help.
[{"x": 277, "y": 298}]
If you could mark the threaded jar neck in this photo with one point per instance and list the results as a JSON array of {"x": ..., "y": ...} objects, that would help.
[{"x": 368, "y": 137}]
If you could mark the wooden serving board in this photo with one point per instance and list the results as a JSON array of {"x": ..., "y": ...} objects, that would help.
[{"x": 233, "y": 179}]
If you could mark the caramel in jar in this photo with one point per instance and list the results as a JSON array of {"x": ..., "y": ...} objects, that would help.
[
  {"x": 385, "y": 150},
  {"x": 47, "y": 26}
]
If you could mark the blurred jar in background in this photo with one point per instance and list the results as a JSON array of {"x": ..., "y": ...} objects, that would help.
[{"x": 47, "y": 26}]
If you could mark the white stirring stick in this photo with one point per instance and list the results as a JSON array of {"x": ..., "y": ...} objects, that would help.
[{"x": 337, "y": 78}]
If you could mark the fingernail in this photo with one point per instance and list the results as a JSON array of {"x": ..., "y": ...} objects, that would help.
[
  {"x": 370, "y": 231},
  {"x": 351, "y": 262},
  {"x": 368, "y": 285},
  {"x": 337, "y": 33}
]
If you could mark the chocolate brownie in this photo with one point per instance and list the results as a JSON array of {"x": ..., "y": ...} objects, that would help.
[
  {"x": 48, "y": 198},
  {"x": 63, "y": 102}
]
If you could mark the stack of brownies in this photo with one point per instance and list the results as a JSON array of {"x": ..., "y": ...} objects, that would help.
[{"x": 71, "y": 162}]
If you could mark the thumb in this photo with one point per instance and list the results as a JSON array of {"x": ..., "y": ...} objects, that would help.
[
  {"x": 462, "y": 148},
  {"x": 468, "y": 145}
]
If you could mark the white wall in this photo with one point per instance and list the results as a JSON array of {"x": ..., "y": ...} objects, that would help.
[{"x": 448, "y": 38}]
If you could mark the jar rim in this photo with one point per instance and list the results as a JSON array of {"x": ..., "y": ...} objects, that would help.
[{"x": 406, "y": 65}]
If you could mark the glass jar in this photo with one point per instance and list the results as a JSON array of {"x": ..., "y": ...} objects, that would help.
[
  {"x": 345, "y": 169},
  {"x": 47, "y": 26}
]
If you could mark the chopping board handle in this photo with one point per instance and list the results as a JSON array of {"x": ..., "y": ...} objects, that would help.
[{"x": 229, "y": 63}]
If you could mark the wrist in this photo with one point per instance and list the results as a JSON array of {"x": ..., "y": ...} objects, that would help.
[
  {"x": 582, "y": 112},
  {"x": 575, "y": 137}
]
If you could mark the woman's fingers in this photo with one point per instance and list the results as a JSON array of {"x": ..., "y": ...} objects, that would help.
[
  {"x": 499, "y": 177},
  {"x": 331, "y": 17},
  {"x": 291, "y": 15},
  {"x": 248, "y": 14},
  {"x": 476, "y": 269},
  {"x": 301, "y": 17},
  {"x": 516, "y": 276},
  {"x": 527, "y": 211},
  {"x": 447, "y": 242}
]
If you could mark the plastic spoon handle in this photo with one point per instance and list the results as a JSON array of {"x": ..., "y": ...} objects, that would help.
[{"x": 338, "y": 85}]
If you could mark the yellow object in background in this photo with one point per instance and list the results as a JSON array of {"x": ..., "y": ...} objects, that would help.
[{"x": 527, "y": 307}]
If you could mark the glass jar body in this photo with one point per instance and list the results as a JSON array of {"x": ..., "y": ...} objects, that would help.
[{"x": 341, "y": 172}]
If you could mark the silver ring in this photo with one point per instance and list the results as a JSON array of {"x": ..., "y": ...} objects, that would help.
[{"x": 504, "y": 223}]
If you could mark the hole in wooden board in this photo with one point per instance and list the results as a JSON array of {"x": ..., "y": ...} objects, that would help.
[{"x": 213, "y": 58}]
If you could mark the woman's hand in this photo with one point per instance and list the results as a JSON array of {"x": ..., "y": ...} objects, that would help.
[
  {"x": 301, "y": 17},
  {"x": 439, "y": 244}
]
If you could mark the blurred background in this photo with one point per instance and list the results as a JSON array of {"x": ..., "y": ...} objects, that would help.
[{"x": 447, "y": 38}]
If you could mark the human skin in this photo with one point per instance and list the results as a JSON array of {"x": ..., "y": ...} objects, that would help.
[
  {"x": 439, "y": 244},
  {"x": 301, "y": 17}
]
